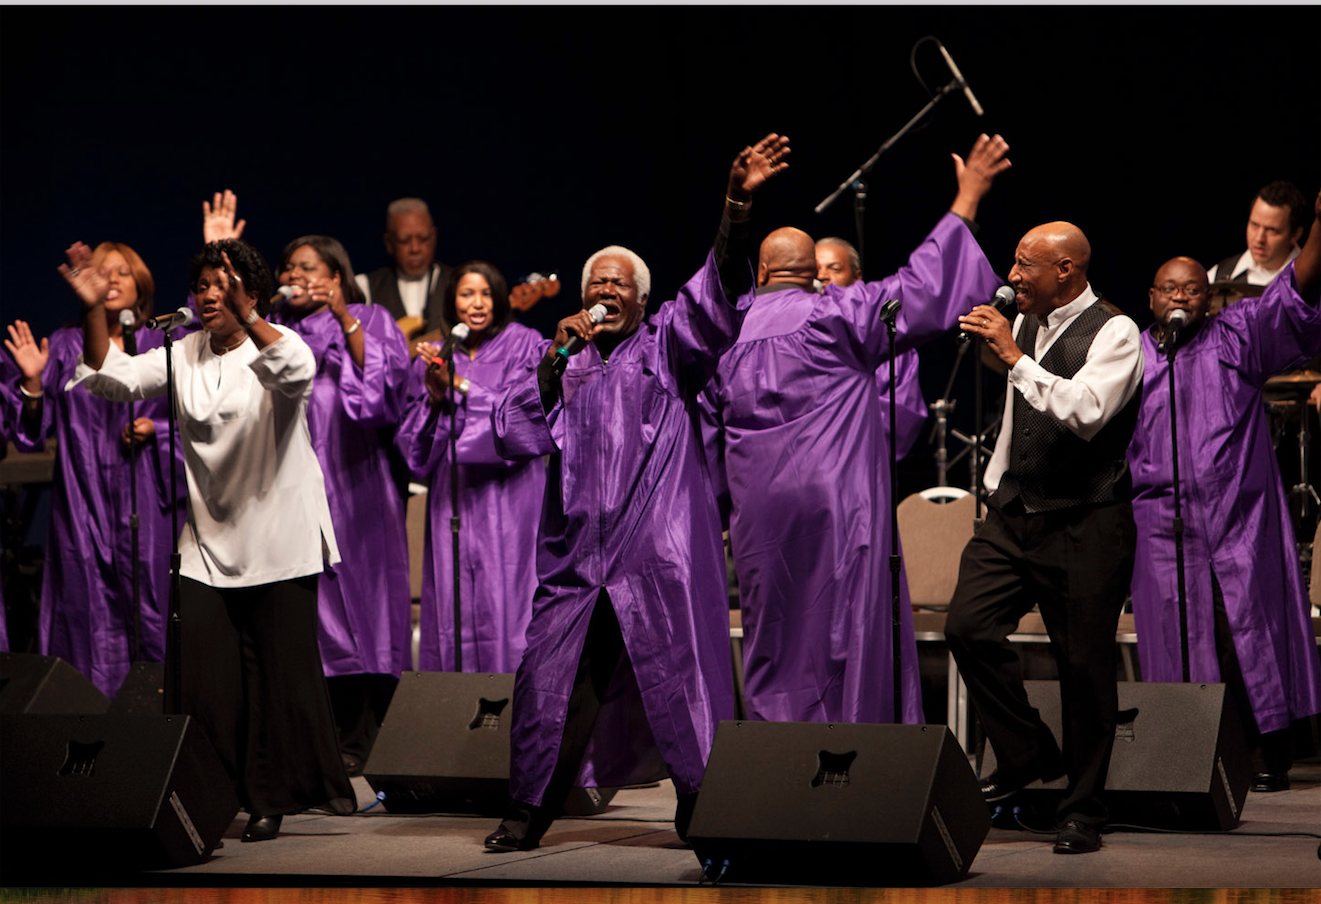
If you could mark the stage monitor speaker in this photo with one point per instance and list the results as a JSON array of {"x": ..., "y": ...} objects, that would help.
[
  {"x": 837, "y": 804},
  {"x": 143, "y": 690},
  {"x": 444, "y": 748},
  {"x": 91, "y": 796},
  {"x": 46, "y": 684},
  {"x": 1180, "y": 760}
]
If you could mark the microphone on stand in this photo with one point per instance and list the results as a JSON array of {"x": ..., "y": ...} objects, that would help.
[
  {"x": 127, "y": 319},
  {"x": 446, "y": 353},
  {"x": 890, "y": 310},
  {"x": 958, "y": 76},
  {"x": 1174, "y": 324},
  {"x": 1004, "y": 296},
  {"x": 597, "y": 312},
  {"x": 181, "y": 317}
]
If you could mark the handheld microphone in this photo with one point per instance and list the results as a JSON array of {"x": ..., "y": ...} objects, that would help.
[
  {"x": 597, "y": 313},
  {"x": 446, "y": 353},
  {"x": 1004, "y": 296},
  {"x": 127, "y": 319},
  {"x": 958, "y": 76},
  {"x": 181, "y": 317},
  {"x": 285, "y": 293},
  {"x": 1174, "y": 324}
]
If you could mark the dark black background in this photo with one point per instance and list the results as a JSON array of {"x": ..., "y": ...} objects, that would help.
[{"x": 539, "y": 134}]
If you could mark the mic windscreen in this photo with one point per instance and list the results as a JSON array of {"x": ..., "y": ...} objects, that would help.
[
  {"x": 597, "y": 312},
  {"x": 1177, "y": 318},
  {"x": 127, "y": 319},
  {"x": 460, "y": 331},
  {"x": 186, "y": 317},
  {"x": 1004, "y": 296}
]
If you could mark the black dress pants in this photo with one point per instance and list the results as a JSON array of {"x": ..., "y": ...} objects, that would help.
[
  {"x": 1075, "y": 565},
  {"x": 250, "y": 673}
]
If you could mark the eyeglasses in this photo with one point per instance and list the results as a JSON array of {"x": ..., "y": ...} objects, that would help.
[{"x": 1192, "y": 291}]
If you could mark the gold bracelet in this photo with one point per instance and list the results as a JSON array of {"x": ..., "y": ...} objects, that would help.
[
  {"x": 737, "y": 205},
  {"x": 28, "y": 395},
  {"x": 353, "y": 329}
]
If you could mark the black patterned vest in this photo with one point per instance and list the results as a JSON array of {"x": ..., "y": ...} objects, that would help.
[{"x": 1051, "y": 467}]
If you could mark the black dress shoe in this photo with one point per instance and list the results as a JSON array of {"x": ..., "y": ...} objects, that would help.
[
  {"x": 1266, "y": 782},
  {"x": 1077, "y": 838},
  {"x": 505, "y": 839},
  {"x": 352, "y": 765},
  {"x": 262, "y": 828}
]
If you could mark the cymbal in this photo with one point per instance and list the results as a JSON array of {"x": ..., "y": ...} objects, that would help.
[
  {"x": 1240, "y": 287},
  {"x": 1295, "y": 378}
]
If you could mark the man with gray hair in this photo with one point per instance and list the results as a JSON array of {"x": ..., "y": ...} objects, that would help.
[
  {"x": 627, "y": 667},
  {"x": 414, "y": 286}
]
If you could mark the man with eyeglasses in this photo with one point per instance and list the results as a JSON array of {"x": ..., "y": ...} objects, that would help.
[
  {"x": 1059, "y": 528},
  {"x": 1248, "y": 615},
  {"x": 414, "y": 286}
]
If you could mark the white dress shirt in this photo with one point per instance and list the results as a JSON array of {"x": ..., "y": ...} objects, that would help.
[
  {"x": 1098, "y": 391},
  {"x": 257, "y": 499},
  {"x": 412, "y": 292},
  {"x": 1257, "y": 275}
]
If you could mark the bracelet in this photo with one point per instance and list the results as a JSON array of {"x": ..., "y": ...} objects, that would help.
[
  {"x": 737, "y": 205},
  {"x": 464, "y": 385},
  {"x": 252, "y": 317},
  {"x": 353, "y": 329},
  {"x": 28, "y": 395}
]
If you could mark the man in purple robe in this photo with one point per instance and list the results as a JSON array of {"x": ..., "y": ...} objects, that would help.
[
  {"x": 1248, "y": 623},
  {"x": 627, "y": 669},
  {"x": 837, "y": 262},
  {"x": 807, "y": 463}
]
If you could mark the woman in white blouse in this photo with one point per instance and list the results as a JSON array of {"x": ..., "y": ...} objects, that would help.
[{"x": 257, "y": 534}]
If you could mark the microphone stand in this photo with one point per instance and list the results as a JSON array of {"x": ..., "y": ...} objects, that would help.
[
  {"x": 857, "y": 174},
  {"x": 454, "y": 515},
  {"x": 859, "y": 217},
  {"x": 134, "y": 521},
  {"x": 1168, "y": 348},
  {"x": 173, "y": 661},
  {"x": 889, "y": 314}
]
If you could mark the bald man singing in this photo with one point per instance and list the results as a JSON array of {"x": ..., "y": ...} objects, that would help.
[
  {"x": 802, "y": 435},
  {"x": 1059, "y": 529}
]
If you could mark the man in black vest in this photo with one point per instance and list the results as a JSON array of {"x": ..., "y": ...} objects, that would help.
[
  {"x": 1059, "y": 530},
  {"x": 1276, "y": 222},
  {"x": 414, "y": 287}
]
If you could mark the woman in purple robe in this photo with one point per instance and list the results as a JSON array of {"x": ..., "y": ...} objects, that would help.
[
  {"x": 89, "y": 616},
  {"x": 499, "y": 500},
  {"x": 359, "y": 392},
  {"x": 1238, "y": 539}
]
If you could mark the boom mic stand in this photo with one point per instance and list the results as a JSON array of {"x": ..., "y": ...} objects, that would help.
[
  {"x": 1168, "y": 348},
  {"x": 454, "y": 516},
  {"x": 134, "y": 520},
  {"x": 889, "y": 313},
  {"x": 173, "y": 662}
]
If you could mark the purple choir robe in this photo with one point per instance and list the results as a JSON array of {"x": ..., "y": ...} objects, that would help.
[
  {"x": 11, "y": 406},
  {"x": 364, "y": 601},
  {"x": 87, "y": 579},
  {"x": 1235, "y": 515},
  {"x": 909, "y": 407},
  {"x": 629, "y": 509},
  {"x": 807, "y": 464},
  {"x": 499, "y": 509}
]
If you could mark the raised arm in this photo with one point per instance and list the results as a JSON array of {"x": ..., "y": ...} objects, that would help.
[
  {"x": 1307, "y": 266},
  {"x": 90, "y": 284},
  {"x": 752, "y": 168},
  {"x": 985, "y": 161}
]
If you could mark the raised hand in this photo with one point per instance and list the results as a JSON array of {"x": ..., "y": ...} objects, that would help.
[
  {"x": 218, "y": 218},
  {"x": 30, "y": 357},
  {"x": 89, "y": 282},
  {"x": 756, "y": 164},
  {"x": 236, "y": 294},
  {"x": 986, "y": 160}
]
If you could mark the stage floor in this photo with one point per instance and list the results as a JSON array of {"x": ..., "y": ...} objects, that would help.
[{"x": 633, "y": 844}]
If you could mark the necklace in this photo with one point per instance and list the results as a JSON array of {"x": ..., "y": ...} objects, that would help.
[{"x": 225, "y": 349}]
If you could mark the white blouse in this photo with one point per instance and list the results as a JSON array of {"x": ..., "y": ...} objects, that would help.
[{"x": 257, "y": 499}]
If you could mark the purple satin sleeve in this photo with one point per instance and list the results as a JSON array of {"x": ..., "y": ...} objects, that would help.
[
  {"x": 910, "y": 408},
  {"x": 375, "y": 395},
  {"x": 521, "y": 428},
  {"x": 695, "y": 328}
]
